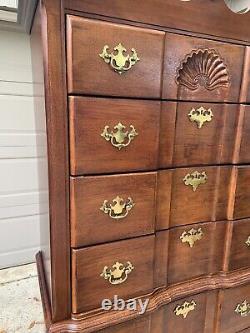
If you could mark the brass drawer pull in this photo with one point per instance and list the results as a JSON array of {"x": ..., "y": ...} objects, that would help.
[
  {"x": 191, "y": 236},
  {"x": 185, "y": 308},
  {"x": 200, "y": 116},
  {"x": 119, "y": 138},
  {"x": 118, "y": 273},
  {"x": 118, "y": 60},
  {"x": 119, "y": 208},
  {"x": 195, "y": 179},
  {"x": 247, "y": 242},
  {"x": 243, "y": 309}
]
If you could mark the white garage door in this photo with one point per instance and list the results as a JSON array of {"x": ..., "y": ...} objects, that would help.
[{"x": 23, "y": 179}]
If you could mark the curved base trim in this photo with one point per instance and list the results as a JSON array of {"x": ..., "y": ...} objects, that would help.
[{"x": 99, "y": 319}]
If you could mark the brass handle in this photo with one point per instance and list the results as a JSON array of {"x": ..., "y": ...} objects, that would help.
[
  {"x": 118, "y": 61},
  {"x": 243, "y": 309},
  {"x": 195, "y": 179},
  {"x": 185, "y": 308},
  {"x": 119, "y": 208},
  {"x": 200, "y": 116},
  {"x": 247, "y": 242},
  {"x": 119, "y": 138},
  {"x": 191, "y": 236},
  {"x": 118, "y": 273}
]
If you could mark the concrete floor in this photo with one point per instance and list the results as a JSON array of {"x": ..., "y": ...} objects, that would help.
[{"x": 20, "y": 301}]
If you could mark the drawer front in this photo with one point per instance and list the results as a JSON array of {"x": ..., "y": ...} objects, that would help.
[
  {"x": 195, "y": 251},
  {"x": 204, "y": 133},
  {"x": 122, "y": 268},
  {"x": 130, "y": 65},
  {"x": 202, "y": 70},
  {"x": 108, "y": 135},
  {"x": 240, "y": 246},
  {"x": 242, "y": 194},
  {"x": 106, "y": 208},
  {"x": 244, "y": 151},
  {"x": 197, "y": 195},
  {"x": 141, "y": 325},
  {"x": 235, "y": 309}
]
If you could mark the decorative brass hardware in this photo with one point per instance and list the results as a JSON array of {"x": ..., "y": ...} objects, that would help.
[
  {"x": 185, "y": 308},
  {"x": 118, "y": 61},
  {"x": 247, "y": 242},
  {"x": 200, "y": 116},
  {"x": 243, "y": 309},
  {"x": 191, "y": 236},
  {"x": 119, "y": 209},
  {"x": 118, "y": 273},
  {"x": 119, "y": 138},
  {"x": 195, "y": 179}
]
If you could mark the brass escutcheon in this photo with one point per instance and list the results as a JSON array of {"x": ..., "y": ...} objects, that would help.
[
  {"x": 118, "y": 60},
  {"x": 200, "y": 116},
  {"x": 243, "y": 309},
  {"x": 119, "y": 208},
  {"x": 191, "y": 236},
  {"x": 247, "y": 242},
  {"x": 118, "y": 273},
  {"x": 119, "y": 138},
  {"x": 184, "y": 309},
  {"x": 195, "y": 179}
]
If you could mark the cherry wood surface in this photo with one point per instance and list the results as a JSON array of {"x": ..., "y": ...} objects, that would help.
[
  {"x": 240, "y": 248},
  {"x": 208, "y": 203},
  {"x": 230, "y": 321},
  {"x": 89, "y": 289},
  {"x": 90, "y": 153},
  {"x": 244, "y": 131},
  {"x": 89, "y": 74},
  {"x": 90, "y": 225},
  {"x": 141, "y": 325},
  {"x": 242, "y": 193}
]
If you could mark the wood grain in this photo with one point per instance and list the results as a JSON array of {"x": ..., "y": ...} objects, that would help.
[
  {"x": 90, "y": 225},
  {"x": 90, "y": 153},
  {"x": 85, "y": 41},
  {"x": 243, "y": 147},
  {"x": 242, "y": 193}
]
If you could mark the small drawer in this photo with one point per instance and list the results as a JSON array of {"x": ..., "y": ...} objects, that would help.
[
  {"x": 113, "y": 135},
  {"x": 194, "y": 314},
  {"x": 240, "y": 245},
  {"x": 113, "y": 59},
  {"x": 107, "y": 208},
  {"x": 242, "y": 193},
  {"x": 197, "y": 194},
  {"x": 202, "y": 70},
  {"x": 123, "y": 268},
  {"x": 195, "y": 251},
  {"x": 235, "y": 309},
  {"x": 204, "y": 133}
]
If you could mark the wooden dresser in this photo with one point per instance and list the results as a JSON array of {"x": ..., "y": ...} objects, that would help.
[{"x": 148, "y": 124}]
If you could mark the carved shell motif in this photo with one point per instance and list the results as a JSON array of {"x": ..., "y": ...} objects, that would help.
[{"x": 203, "y": 67}]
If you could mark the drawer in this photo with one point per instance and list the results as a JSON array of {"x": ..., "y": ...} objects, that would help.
[
  {"x": 194, "y": 314},
  {"x": 123, "y": 268},
  {"x": 204, "y": 133},
  {"x": 197, "y": 194},
  {"x": 240, "y": 245},
  {"x": 107, "y": 208},
  {"x": 194, "y": 251},
  {"x": 201, "y": 70},
  {"x": 141, "y": 325},
  {"x": 113, "y": 59},
  {"x": 244, "y": 143},
  {"x": 242, "y": 193},
  {"x": 113, "y": 135},
  {"x": 235, "y": 309}
]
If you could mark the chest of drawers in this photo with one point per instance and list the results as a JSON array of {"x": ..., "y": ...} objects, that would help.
[{"x": 149, "y": 165}]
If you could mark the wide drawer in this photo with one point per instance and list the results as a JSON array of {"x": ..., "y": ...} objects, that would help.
[
  {"x": 113, "y": 59},
  {"x": 204, "y": 133},
  {"x": 193, "y": 251},
  {"x": 201, "y": 70},
  {"x": 240, "y": 245},
  {"x": 235, "y": 309},
  {"x": 141, "y": 325},
  {"x": 197, "y": 194},
  {"x": 123, "y": 268},
  {"x": 106, "y": 208},
  {"x": 113, "y": 135}
]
